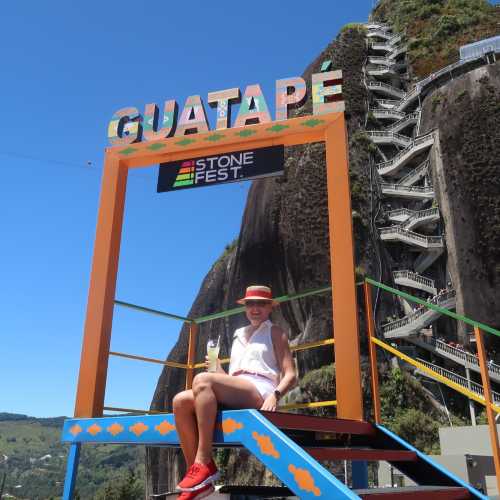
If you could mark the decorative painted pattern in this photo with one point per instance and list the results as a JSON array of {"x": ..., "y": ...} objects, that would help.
[
  {"x": 114, "y": 429},
  {"x": 253, "y": 107},
  {"x": 75, "y": 430},
  {"x": 185, "y": 176},
  {"x": 94, "y": 429},
  {"x": 304, "y": 479},
  {"x": 193, "y": 118},
  {"x": 286, "y": 99},
  {"x": 222, "y": 100},
  {"x": 230, "y": 425},
  {"x": 165, "y": 427},
  {"x": 138, "y": 428},
  {"x": 265, "y": 444},
  {"x": 153, "y": 127},
  {"x": 324, "y": 86},
  {"x": 214, "y": 137},
  {"x": 300, "y": 472},
  {"x": 277, "y": 128},
  {"x": 185, "y": 142},
  {"x": 326, "y": 65},
  {"x": 125, "y": 127},
  {"x": 249, "y": 133}
]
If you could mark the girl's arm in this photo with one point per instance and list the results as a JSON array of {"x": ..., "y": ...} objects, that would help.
[{"x": 287, "y": 365}]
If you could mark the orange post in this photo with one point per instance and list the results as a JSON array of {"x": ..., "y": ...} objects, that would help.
[
  {"x": 373, "y": 352},
  {"x": 97, "y": 330},
  {"x": 485, "y": 378},
  {"x": 345, "y": 312},
  {"x": 193, "y": 336}
]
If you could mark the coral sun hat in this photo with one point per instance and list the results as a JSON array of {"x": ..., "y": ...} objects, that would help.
[{"x": 258, "y": 292}]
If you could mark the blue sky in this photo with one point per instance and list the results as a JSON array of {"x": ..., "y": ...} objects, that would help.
[{"x": 67, "y": 66}]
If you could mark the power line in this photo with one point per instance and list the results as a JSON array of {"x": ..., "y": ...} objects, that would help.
[{"x": 87, "y": 165}]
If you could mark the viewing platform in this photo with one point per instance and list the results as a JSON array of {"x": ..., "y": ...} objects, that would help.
[
  {"x": 397, "y": 233},
  {"x": 394, "y": 165},
  {"x": 385, "y": 89},
  {"x": 410, "y": 192},
  {"x": 390, "y": 138},
  {"x": 387, "y": 114},
  {"x": 387, "y": 104},
  {"x": 421, "y": 318},
  {"x": 414, "y": 280}
]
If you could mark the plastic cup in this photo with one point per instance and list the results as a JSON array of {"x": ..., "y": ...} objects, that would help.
[{"x": 212, "y": 354}]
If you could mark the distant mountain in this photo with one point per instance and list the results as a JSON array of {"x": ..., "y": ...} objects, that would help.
[{"x": 34, "y": 459}]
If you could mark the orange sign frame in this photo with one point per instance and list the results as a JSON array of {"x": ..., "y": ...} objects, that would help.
[{"x": 331, "y": 129}]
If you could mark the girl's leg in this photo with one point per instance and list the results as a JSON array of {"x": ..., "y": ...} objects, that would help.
[
  {"x": 211, "y": 389},
  {"x": 185, "y": 423}
]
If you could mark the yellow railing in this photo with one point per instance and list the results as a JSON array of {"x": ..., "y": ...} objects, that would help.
[{"x": 487, "y": 401}]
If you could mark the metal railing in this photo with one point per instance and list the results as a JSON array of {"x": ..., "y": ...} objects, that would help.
[
  {"x": 467, "y": 357},
  {"x": 423, "y": 139},
  {"x": 400, "y": 212},
  {"x": 458, "y": 379},
  {"x": 442, "y": 300},
  {"x": 418, "y": 278},
  {"x": 387, "y": 188},
  {"x": 392, "y": 136},
  {"x": 405, "y": 235},
  {"x": 371, "y": 84},
  {"x": 388, "y": 102},
  {"x": 411, "y": 117},
  {"x": 420, "y": 215},
  {"x": 415, "y": 174},
  {"x": 380, "y": 113}
]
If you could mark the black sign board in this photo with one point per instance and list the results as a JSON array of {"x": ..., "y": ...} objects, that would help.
[{"x": 221, "y": 168}]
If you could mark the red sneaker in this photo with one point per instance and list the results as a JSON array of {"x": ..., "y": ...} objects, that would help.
[
  {"x": 203, "y": 492},
  {"x": 198, "y": 475}
]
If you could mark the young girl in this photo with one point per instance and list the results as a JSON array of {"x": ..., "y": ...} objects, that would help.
[{"x": 261, "y": 371}]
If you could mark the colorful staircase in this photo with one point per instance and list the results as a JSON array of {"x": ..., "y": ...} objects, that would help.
[{"x": 289, "y": 445}]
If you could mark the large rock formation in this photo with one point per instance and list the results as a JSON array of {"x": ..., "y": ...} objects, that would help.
[
  {"x": 283, "y": 242},
  {"x": 283, "y": 239},
  {"x": 466, "y": 171}
]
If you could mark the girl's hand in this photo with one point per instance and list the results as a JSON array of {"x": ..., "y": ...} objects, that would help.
[
  {"x": 219, "y": 365},
  {"x": 270, "y": 403}
]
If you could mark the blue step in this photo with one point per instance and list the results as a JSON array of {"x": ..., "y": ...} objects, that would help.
[{"x": 278, "y": 441}]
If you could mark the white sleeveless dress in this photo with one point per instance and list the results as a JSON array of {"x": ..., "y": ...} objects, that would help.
[{"x": 256, "y": 358}]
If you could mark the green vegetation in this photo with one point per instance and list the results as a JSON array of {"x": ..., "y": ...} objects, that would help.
[
  {"x": 353, "y": 26},
  {"x": 406, "y": 408},
  {"x": 36, "y": 462},
  {"x": 435, "y": 29}
]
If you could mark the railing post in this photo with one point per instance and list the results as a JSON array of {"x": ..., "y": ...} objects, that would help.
[
  {"x": 193, "y": 335},
  {"x": 485, "y": 378},
  {"x": 373, "y": 353}
]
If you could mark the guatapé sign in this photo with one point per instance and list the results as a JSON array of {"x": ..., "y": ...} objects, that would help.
[
  {"x": 128, "y": 125},
  {"x": 221, "y": 168}
]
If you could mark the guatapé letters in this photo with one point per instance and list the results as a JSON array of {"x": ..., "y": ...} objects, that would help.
[{"x": 128, "y": 125}]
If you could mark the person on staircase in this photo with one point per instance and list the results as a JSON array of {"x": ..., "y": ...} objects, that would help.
[{"x": 261, "y": 371}]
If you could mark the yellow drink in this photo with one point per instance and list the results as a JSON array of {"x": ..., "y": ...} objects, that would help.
[{"x": 212, "y": 354}]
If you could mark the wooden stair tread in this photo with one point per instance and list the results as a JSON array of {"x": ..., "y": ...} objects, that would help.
[
  {"x": 415, "y": 493},
  {"x": 341, "y": 453},
  {"x": 292, "y": 421}
]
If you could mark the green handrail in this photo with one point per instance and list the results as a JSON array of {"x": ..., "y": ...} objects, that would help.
[{"x": 434, "y": 307}]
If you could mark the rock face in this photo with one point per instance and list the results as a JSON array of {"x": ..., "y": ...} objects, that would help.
[
  {"x": 466, "y": 171},
  {"x": 283, "y": 242}
]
